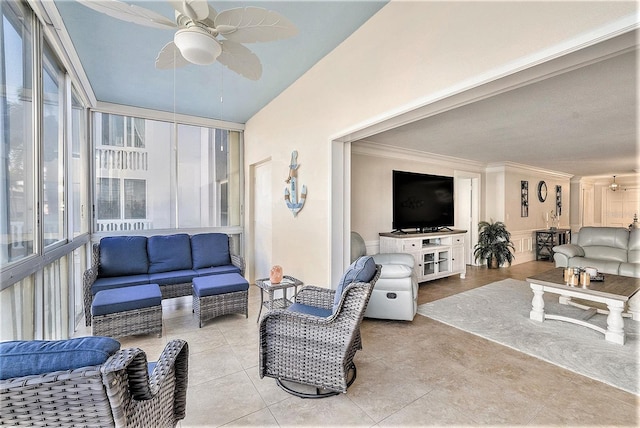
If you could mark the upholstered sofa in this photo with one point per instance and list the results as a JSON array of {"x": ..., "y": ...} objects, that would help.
[
  {"x": 90, "y": 381},
  {"x": 171, "y": 261},
  {"x": 613, "y": 250},
  {"x": 395, "y": 295}
]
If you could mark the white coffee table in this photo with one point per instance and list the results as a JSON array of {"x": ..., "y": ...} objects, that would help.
[{"x": 615, "y": 291}]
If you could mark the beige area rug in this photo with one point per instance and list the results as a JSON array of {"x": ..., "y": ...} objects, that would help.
[{"x": 500, "y": 312}]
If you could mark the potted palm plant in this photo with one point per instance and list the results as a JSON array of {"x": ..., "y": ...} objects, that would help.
[{"x": 494, "y": 244}]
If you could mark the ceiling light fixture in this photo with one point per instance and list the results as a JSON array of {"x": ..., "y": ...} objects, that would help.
[
  {"x": 613, "y": 186},
  {"x": 197, "y": 45}
]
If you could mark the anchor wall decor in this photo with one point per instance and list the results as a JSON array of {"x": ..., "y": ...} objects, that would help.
[{"x": 291, "y": 192}]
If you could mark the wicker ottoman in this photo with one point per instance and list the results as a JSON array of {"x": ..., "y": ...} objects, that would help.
[
  {"x": 221, "y": 294},
  {"x": 126, "y": 311}
]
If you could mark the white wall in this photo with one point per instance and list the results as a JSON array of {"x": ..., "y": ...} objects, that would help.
[
  {"x": 371, "y": 183},
  {"x": 409, "y": 54}
]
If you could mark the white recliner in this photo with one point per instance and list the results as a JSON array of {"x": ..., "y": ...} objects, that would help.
[{"x": 395, "y": 295}]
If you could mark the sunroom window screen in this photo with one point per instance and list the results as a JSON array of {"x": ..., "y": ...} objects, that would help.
[{"x": 167, "y": 175}]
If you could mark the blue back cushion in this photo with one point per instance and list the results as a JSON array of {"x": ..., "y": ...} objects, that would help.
[
  {"x": 170, "y": 252},
  {"x": 362, "y": 270},
  {"x": 33, "y": 357},
  {"x": 123, "y": 255},
  {"x": 209, "y": 250}
]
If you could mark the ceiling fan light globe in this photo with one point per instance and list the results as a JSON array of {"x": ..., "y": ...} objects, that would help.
[{"x": 197, "y": 45}]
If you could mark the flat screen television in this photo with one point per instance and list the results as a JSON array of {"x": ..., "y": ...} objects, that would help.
[{"x": 422, "y": 201}]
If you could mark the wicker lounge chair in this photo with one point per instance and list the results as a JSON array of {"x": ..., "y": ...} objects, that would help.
[
  {"x": 118, "y": 393},
  {"x": 316, "y": 348}
]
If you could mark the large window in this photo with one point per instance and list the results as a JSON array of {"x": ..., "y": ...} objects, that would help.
[
  {"x": 79, "y": 167},
  {"x": 147, "y": 179},
  {"x": 53, "y": 165},
  {"x": 17, "y": 198},
  {"x": 44, "y": 242}
]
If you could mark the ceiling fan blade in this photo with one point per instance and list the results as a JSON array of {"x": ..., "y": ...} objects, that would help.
[
  {"x": 170, "y": 57},
  {"x": 209, "y": 22},
  {"x": 197, "y": 10},
  {"x": 240, "y": 59},
  {"x": 129, "y": 13},
  {"x": 253, "y": 24}
]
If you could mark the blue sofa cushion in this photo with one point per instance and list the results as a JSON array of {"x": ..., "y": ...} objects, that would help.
[
  {"x": 169, "y": 252},
  {"x": 174, "y": 277},
  {"x": 118, "y": 281},
  {"x": 123, "y": 255},
  {"x": 218, "y": 270},
  {"x": 210, "y": 249},
  {"x": 219, "y": 284},
  {"x": 126, "y": 299},
  {"x": 362, "y": 270},
  {"x": 310, "y": 310},
  {"x": 34, "y": 357}
]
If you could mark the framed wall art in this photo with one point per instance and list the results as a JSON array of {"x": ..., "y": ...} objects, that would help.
[{"x": 524, "y": 198}]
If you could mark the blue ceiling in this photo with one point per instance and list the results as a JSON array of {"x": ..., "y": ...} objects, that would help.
[{"x": 119, "y": 57}]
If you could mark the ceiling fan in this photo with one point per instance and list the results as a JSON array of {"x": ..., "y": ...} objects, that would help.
[{"x": 199, "y": 26}]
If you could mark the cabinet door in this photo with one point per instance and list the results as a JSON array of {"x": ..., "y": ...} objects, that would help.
[
  {"x": 444, "y": 261},
  {"x": 429, "y": 264},
  {"x": 457, "y": 259},
  {"x": 435, "y": 263}
]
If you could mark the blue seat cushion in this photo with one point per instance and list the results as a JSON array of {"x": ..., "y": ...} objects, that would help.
[
  {"x": 210, "y": 249},
  {"x": 219, "y": 284},
  {"x": 126, "y": 299},
  {"x": 218, "y": 270},
  {"x": 117, "y": 282},
  {"x": 123, "y": 255},
  {"x": 310, "y": 310},
  {"x": 362, "y": 270},
  {"x": 34, "y": 357},
  {"x": 169, "y": 252},
  {"x": 175, "y": 277}
]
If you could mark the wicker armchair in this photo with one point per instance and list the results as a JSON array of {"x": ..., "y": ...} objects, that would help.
[
  {"x": 118, "y": 393},
  {"x": 314, "y": 350}
]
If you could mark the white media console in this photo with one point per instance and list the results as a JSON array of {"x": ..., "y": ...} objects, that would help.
[{"x": 438, "y": 254}]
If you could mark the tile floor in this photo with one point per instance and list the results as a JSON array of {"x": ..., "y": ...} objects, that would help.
[{"x": 420, "y": 373}]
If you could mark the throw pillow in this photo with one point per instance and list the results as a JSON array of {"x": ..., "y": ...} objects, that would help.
[{"x": 362, "y": 270}]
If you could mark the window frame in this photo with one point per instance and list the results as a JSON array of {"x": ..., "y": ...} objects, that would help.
[{"x": 175, "y": 120}]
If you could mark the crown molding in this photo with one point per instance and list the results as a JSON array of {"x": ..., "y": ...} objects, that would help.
[
  {"x": 516, "y": 167},
  {"x": 369, "y": 148}
]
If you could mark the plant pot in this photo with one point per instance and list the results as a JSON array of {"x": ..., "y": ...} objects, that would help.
[{"x": 492, "y": 263}]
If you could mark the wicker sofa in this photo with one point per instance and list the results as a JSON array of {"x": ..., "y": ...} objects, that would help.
[
  {"x": 90, "y": 381},
  {"x": 171, "y": 261}
]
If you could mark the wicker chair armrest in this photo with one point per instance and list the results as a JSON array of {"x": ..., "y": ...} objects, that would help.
[
  {"x": 74, "y": 396},
  {"x": 238, "y": 261},
  {"x": 130, "y": 366},
  {"x": 88, "y": 278},
  {"x": 316, "y": 296},
  {"x": 283, "y": 316}
]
